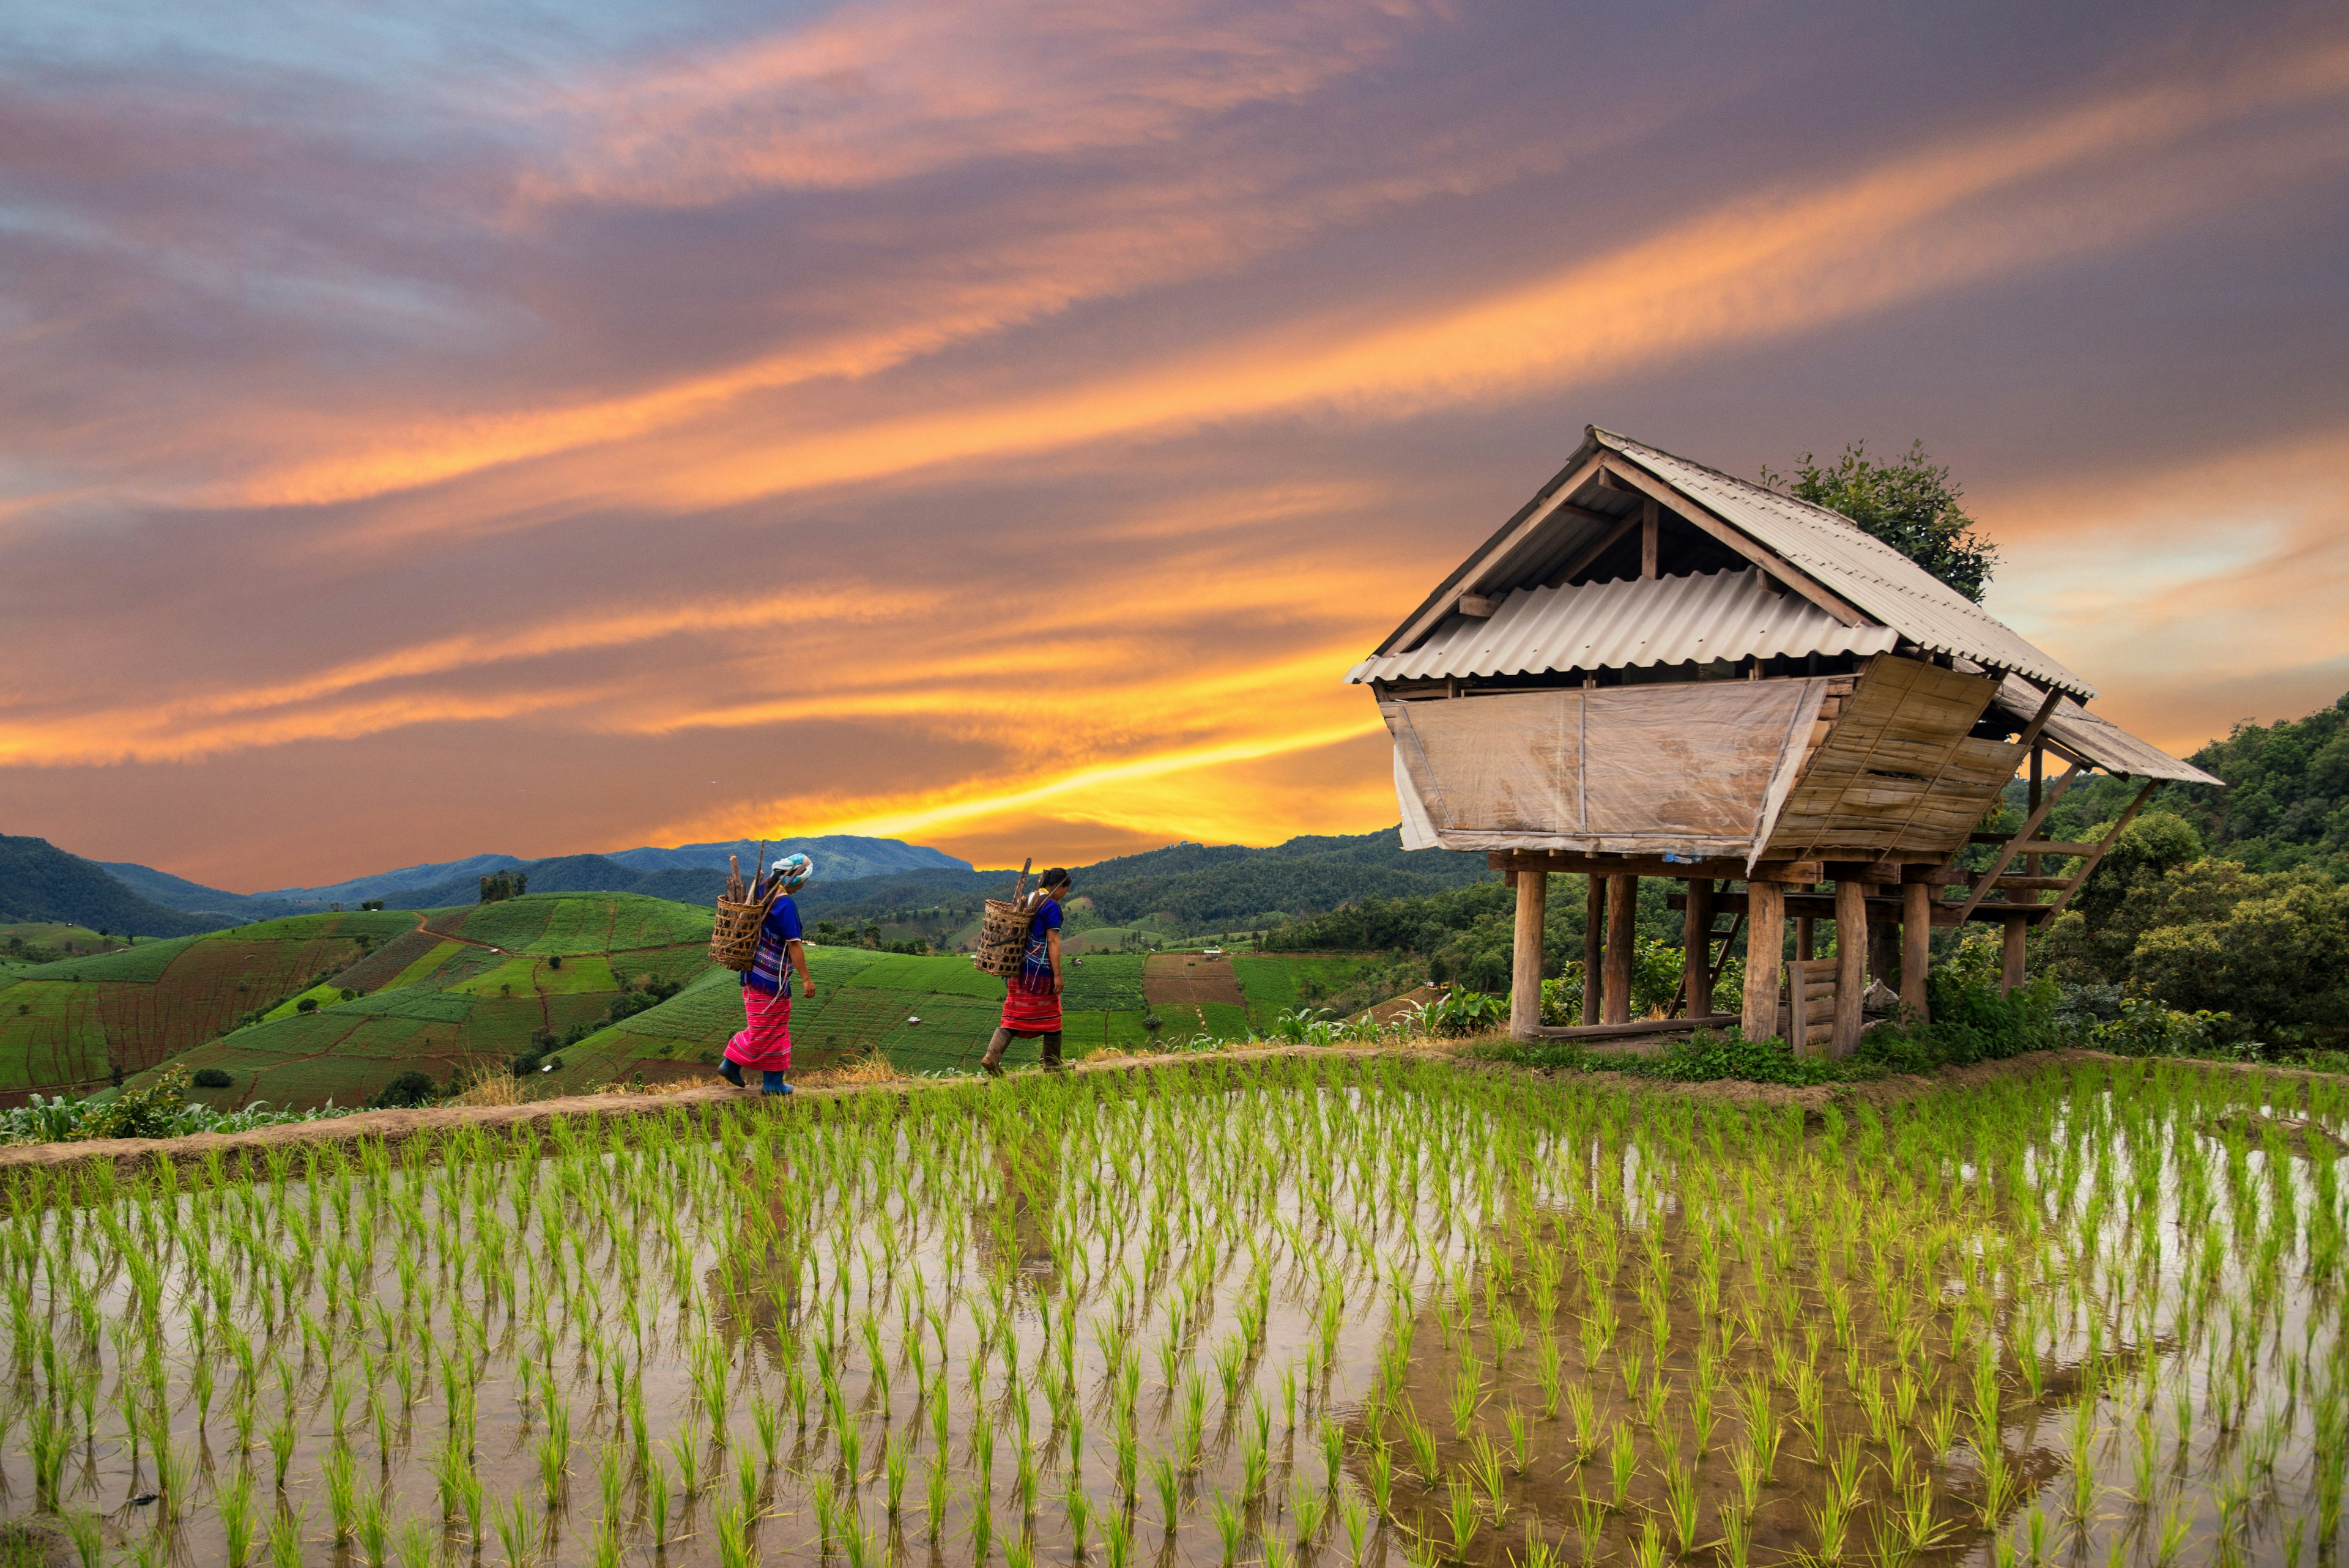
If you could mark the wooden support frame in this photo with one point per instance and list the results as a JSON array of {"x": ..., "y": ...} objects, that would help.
[
  {"x": 1851, "y": 964},
  {"x": 1643, "y": 1026},
  {"x": 1916, "y": 947},
  {"x": 1580, "y": 562},
  {"x": 1696, "y": 949},
  {"x": 1726, "y": 868},
  {"x": 1525, "y": 977},
  {"x": 1762, "y": 555},
  {"x": 2096, "y": 851},
  {"x": 1594, "y": 917},
  {"x": 1765, "y": 949},
  {"x": 1881, "y": 906},
  {"x": 1622, "y": 910},
  {"x": 2030, "y": 830},
  {"x": 2009, "y": 953},
  {"x": 1650, "y": 527}
]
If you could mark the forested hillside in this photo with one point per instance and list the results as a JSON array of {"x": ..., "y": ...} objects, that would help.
[
  {"x": 2286, "y": 802},
  {"x": 1196, "y": 886},
  {"x": 39, "y": 881}
]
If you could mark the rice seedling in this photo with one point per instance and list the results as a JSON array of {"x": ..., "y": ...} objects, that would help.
[
  {"x": 1379, "y": 1463},
  {"x": 286, "y": 1538},
  {"x": 657, "y": 1499},
  {"x": 1354, "y": 1523},
  {"x": 1681, "y": 1501},
  {"x": 1462, "y": 1517},
  {"x": 1622, "y": 1464},
  {"x": 934, "y": 1495},
  {"x": 1484, "y": 1469},
  {"x": 1231, "y": 1525},
  {"x": 235, "y": 1508}
]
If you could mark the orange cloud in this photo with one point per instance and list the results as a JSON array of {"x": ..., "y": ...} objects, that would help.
[{"x": 2051, "y": 187}]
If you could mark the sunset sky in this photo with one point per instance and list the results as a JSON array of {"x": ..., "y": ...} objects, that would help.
[{"x": 443, "y": 428}]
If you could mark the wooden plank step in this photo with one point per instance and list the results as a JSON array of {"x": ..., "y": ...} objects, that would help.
[
  {"x": 2037, "y": 846},
  {"x": 2031, "y": 885}
]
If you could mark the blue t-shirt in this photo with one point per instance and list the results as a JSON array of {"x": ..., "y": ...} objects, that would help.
[
  {"x": 766, "y": 972},
  {"x": 1036, "y": 963}
]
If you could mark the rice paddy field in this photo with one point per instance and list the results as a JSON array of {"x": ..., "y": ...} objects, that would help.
[{"x": 1307, "y": 1309}]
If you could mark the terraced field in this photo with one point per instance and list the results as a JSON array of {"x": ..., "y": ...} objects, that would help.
[
  {"x": 65, "y": 1026},
  {"x": 349, "y": 1002},
  {"x": 463, "y": 987}
]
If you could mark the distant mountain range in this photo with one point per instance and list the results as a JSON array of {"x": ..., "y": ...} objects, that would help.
[
  {"x": 39, "y": 881},
  {"x": 1201, "y": 886},
  {"x": 691, "y": 873}
]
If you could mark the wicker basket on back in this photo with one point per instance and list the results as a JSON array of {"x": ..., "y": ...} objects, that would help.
[
  {"x": 741, "y": 911},
  {"x": 1003, "y": 931}
]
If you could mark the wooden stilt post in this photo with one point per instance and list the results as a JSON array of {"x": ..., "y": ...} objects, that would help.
[
  {"x": 1851, "y": 960},
  {"x": 1766, "y": 955},
  {"x": 1622, "y": 904},
  {"x": 1525, "y": 981},
  {"x": 1883, "y": 950},
  {"x": 1916, "y": 946},
  {"x": 1805, "y": 938},
  {"x": 1594, "y": 917},
  {"x": 2010, "y": 967},
  {"x": 1696, "y": 948}
]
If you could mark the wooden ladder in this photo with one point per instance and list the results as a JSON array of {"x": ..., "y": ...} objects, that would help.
[
  {"x": 2025, "y": 890},
  {"x": 1808, "y": 1006}
]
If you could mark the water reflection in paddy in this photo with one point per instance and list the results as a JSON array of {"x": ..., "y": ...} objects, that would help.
[{"x": 1302, "y": 1309}]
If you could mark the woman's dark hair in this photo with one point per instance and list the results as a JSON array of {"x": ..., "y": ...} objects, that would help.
[{"x": 1054, "y": 878}]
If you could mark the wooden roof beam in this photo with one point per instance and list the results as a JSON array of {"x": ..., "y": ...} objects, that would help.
[
  {"x": 1768, "y": 560},
  {"x": 1582, "y": 560},
  {"x": 1469, "y": 577}
]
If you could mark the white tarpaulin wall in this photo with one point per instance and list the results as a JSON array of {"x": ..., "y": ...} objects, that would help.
[{"x": 1695, "y": 767}]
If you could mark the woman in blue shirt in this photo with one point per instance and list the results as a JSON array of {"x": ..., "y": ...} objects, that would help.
[
  {"x": 1032, "y": 1001},
  {"x": 764, "y": 1044}
]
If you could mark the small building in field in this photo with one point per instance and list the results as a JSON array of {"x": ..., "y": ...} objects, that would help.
[{"x": 1655, "y": 669}]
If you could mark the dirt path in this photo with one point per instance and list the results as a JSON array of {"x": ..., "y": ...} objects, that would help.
[{"x": 398, "y": 1126}]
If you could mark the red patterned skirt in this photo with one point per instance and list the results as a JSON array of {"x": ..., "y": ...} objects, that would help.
[
  {"x": 1028, "y": 1013},
  {"x": 765, "y": 1043}
]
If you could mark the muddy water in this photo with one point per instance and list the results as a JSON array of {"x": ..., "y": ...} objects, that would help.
[{"x": 1306, "y": 1307}]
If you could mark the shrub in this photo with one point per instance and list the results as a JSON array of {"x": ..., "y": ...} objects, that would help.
[
  {"x": 211, "y": 1078},
  {"x": 306, "y": 1005},
  {"x": 142, "y": 1112},
  {"x": 1460, "y": 1011},
  {"x": 409, "y": 1088}
]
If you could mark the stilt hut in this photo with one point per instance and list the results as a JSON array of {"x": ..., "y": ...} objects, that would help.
[{"x": 1655, "y": 669}]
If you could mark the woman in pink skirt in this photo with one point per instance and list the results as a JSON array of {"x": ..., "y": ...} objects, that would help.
[
  {"x": 1032, "y": 1001},
  {"x": 764, "y": 1046}
]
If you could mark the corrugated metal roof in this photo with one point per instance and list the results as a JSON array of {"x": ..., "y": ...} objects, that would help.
[
  {"x": 1875, "y": 578},
  {"x": 2098, "y": 739},
  {"x": 1628, "y": 623}
]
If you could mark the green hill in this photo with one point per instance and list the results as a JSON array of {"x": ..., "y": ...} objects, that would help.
[
  {"x": 458, "y": 988},
  {"x": 1181, "y": 888},
  {"x": 39, "y": 881},
  {"x": 71, "y": 1023},
  {"x": 935, "y": 1013},
  {"x": 592, "y": 988}
]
